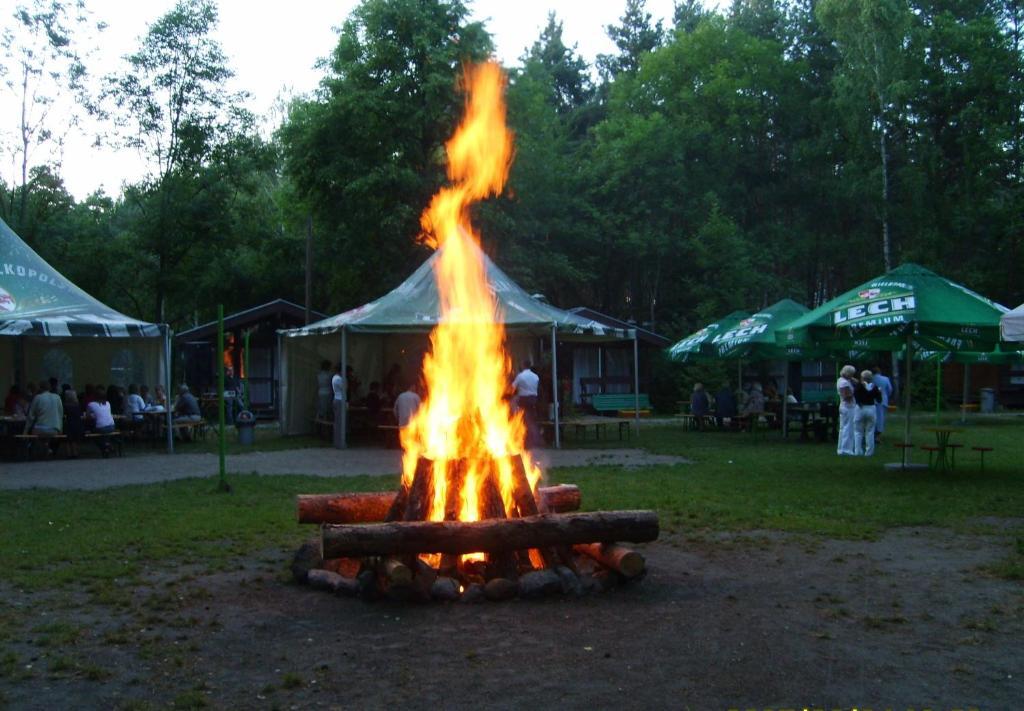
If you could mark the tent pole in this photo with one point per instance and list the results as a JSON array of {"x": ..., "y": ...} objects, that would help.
[
  {"x": 967, "y": 391},
  {"x": 636, "y": 383},
  {"x": 554, "y": 385},
  {"x": 345, "y": 385},
  {"x": 906, "y": 396},
  {"x": 785, "y": 398},
  {"x": 221, "y": 444},
  {"x": 167, "y": 386},
  {"x": 938, "y": 385}
]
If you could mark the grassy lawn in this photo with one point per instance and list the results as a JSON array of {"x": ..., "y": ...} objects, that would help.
[{"x": 106, "y": 539}]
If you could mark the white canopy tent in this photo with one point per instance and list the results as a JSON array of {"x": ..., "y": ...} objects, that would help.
[
  {"x": 49, "y": 328},
  {"x": 1011, "y": 324},
  {"x": 393, "y": 329}
]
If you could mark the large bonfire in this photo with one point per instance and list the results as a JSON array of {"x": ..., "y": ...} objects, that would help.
[{"x": 465, "y": 427}]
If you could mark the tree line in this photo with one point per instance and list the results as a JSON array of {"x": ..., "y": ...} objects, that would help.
[{"x": 721, "y": 160}]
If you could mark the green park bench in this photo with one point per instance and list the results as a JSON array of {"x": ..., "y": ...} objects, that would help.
[{"x": 625, "y": 401}]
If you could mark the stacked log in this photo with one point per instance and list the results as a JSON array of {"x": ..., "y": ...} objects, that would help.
[{"x": 375, "y": 544}]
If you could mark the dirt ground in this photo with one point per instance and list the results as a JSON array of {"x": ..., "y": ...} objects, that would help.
[{"x": 759, "y": 620}]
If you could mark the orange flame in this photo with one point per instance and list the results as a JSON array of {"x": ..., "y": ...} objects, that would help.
[{"x": 465, "y": 416}]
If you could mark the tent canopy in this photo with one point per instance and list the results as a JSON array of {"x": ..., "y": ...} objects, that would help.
[
  {"x": 1012, "y": 324},
  {"x": 909, "y": 300},
  {"x": 414, "y": 307},
  {"x": 36, "y": 300}
]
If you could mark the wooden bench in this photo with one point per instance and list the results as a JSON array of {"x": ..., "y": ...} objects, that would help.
[
  {"x": 194, "y": 429},
  {"x": 624, "y": 401},
  {"x": 598, "y": 423},
  {"x": 112, "y": 437},
  {"x": 27, "y": 441}
]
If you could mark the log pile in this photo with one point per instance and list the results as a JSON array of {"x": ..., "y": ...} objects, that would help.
[{"x": 379, "y": 544}]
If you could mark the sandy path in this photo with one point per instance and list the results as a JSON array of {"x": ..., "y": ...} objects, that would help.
[{"x": 150, "y": 468}]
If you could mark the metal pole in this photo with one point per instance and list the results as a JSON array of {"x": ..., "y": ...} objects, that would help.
[
  {"x": 906, "y": 396},
  {"x": 344, "y": 385},
  {"x": 636, "y": 383},
  {"x": 245, "y": 365},
  {"x": 554, "y": 386},
  {"x": 222, "y": 484},
  {"x": 167, "y": 392},
  {"x": 785, "y": 398},
  {"x": 938, "y": 385},
  {"x": 967, "y": 391}
]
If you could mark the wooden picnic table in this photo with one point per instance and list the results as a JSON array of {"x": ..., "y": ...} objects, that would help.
[{"x": 598, "y": 423}]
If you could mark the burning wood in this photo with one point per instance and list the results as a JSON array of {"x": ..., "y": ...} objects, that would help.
[
  {"x": 469, "y": 520},
  {"x": 490, "y": 535}
]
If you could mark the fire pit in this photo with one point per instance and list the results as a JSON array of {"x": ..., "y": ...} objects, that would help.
[{"x": 470, "y": 519}]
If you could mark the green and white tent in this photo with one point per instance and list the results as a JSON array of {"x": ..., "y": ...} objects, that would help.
[
  {"x": 1012, "y": 325},
  {"x": 392, "y": 330},
  {"x": 51, "y": 328}
]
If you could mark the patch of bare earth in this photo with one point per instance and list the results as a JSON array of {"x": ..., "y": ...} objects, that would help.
[{"x": 741, "y": 620}]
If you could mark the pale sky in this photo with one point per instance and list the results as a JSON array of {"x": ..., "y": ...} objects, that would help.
[{"x": 272, "y": 47}]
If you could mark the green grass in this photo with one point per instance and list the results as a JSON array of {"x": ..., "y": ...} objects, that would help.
[{"x": 105, "y": 540}]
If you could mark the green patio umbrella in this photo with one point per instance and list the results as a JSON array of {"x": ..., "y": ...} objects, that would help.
[
  {"x": 690, "y": 349},
  {"x": 908, "y": 306}
]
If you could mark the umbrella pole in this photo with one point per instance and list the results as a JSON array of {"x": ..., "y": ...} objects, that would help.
[
  {"x": 906, "y": 397},
  {"x": 967, "y": 391},
  {"x": 785, "y": 398},
  {"x": 938, "y": 385},
  {"x": 636, "y": 383}
]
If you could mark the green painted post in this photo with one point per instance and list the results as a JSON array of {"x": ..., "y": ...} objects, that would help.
[{"x": 222, "y": 484}]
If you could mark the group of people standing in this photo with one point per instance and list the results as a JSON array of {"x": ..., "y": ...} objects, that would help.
[{"x": 863, "y": 402}]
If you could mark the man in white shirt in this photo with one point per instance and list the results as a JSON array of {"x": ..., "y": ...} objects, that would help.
[
  {"x": 338, "y": 407},
  {"x": 406, "y": 405},
  {"x": 525, "y": 386}
]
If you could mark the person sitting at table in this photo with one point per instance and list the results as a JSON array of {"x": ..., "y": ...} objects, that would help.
[
  {"x": 88, "y": 395},
  {"x": 770, "y": 391},
  {"x": 147, "y": 398},
  {"x": 186, "y": 409},
  {"x": 867, "y": 395},
  {"x": 45, "y": 415},
  {"x": 700, "y": 407},
  {"x": 12, "y": 401},
  {"x": 159, "y": 399},
  {"x": 373, "y": 402},
  {"x": 74, "y": 426},
  {"x": 134, "y": 405},
  {"x": 115, "y": 396},
  {"x": 755, "y": 401},
  {"x": 100, "y": 414},
  {"x": 791, "y": 398},
  {"x": 406, "y": 405},
  {"x": 725, "y": 404}
]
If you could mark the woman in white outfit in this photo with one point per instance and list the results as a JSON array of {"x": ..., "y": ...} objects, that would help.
[
  {"x": 847, "y": 410},
  {"x": 867, "y": 395}
]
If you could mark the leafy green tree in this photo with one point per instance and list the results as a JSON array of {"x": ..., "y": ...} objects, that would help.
[
  {"x": 173, "y": 107},
  {"x": 42, "y": 76},
  {"x": 366, "y": 152},
  {"x": 634, "y": 37}
]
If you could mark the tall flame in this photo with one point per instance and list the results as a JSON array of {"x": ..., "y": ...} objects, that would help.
[{"x": 465, "y": 417}]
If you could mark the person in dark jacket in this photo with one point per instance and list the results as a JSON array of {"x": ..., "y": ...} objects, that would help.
[
  {"x": 74, "y": 426},
  {"x": 866, "y": 395},
  {"x": 700, "y": 406},
  {"x": 725, "y": 404}
]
